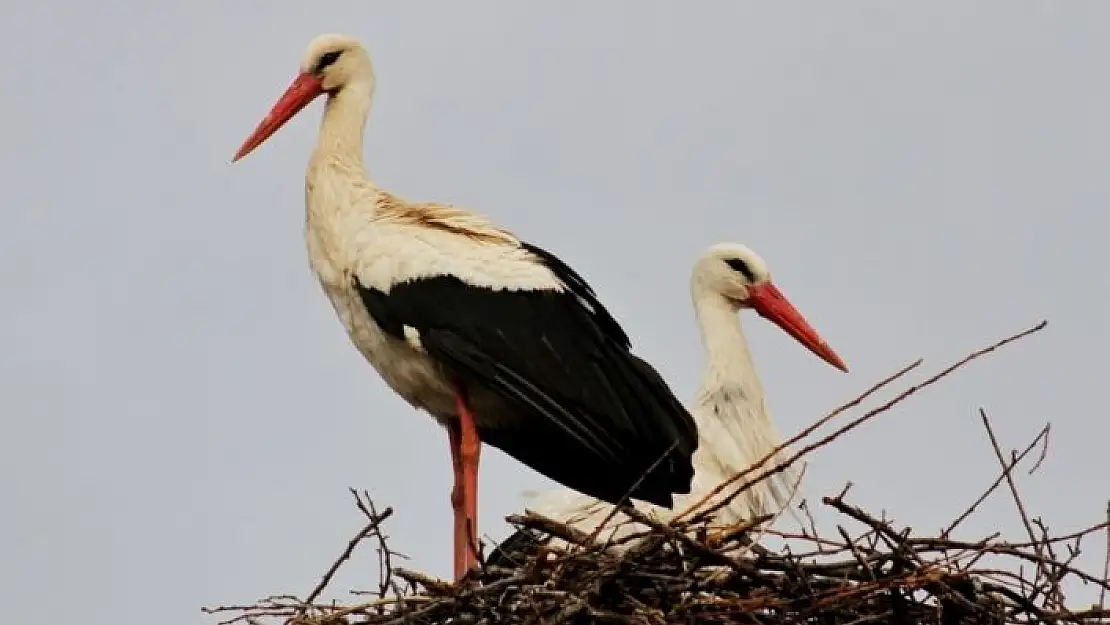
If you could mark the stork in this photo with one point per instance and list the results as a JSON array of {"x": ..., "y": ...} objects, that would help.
[
  {"x": 494, "y": 337},
  {"x": 734, "y": 427}
]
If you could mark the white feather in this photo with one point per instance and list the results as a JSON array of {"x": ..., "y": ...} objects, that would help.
[{"x": 412, "y": 336}]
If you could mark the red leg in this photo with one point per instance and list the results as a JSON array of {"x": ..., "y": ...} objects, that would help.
[
  {"x": 470, "y": 449},
  {"x": 458, "y": 500}
]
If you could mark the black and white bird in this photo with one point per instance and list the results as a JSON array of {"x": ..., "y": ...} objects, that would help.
[
  {"x": 497, "y": 339},
  {"x": 734, "y": 426}
]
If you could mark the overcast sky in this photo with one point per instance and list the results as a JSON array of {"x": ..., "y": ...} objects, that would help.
[{"x": 182, "y": 412}]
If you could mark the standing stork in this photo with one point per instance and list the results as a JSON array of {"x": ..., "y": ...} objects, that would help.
[
  {"x": 498, "y": 340},
  {"x": 734, "y": 427}
]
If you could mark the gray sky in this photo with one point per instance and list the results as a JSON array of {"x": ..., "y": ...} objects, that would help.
[{"x": 183, "y": 413}]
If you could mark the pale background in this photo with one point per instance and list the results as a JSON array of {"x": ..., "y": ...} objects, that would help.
[{"x": 182, "y": 414}]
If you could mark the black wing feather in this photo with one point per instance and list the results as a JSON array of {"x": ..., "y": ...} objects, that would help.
[
  {"x": 581, "y": 288},
  {"x": 589, "y": 413},
  {"x": 459, "y": 355},
  {"x": 512, "y": 551}
]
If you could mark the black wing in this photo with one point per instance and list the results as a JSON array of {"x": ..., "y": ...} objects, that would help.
[
  {"x": 514, "y": 550},
  {"x": 587, "y": 412}
]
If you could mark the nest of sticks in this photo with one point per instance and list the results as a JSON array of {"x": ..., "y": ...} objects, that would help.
[{"x": 686, "y": 571}]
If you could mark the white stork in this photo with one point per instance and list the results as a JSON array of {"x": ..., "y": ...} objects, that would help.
[
  {"x": 497, "y": 339},
  {"x": 734, "y": 427}
]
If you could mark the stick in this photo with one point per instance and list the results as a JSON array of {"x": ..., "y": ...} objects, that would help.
[
  {"x": 370, "y": 528},
  {"x": 1017, "y": 498},
  {"x": 1043, "y": 434}
]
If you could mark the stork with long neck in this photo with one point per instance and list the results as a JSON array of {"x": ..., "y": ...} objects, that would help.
[
  {"x": 734, "y": 426},
  {"x": 497, "y": 339}
]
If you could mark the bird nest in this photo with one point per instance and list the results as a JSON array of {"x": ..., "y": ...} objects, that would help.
[{"x": 685, "y": 571}]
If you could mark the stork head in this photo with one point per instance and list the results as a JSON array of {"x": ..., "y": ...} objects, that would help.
[
  {"x": 738, "y": 275},
  {"x": 331, "y": 64}
]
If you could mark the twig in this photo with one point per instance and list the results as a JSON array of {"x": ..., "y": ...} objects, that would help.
[
  {"x": 1064, "y": 537},
  {"x": 1042, "y": 435},
  {"x": 786, "y": 506},
  {"x": 370, "y": 527},
  {"x": 1005, "y": 550},
  {"x": 385, "y": 560},
  {"x": 804, "y": 507},
  {"x": 1044, "y": 450},
  {"x": 1106, "y": 564},
  {"x": 1017, "y": 497},
  {"x": 613, "y": 511}
]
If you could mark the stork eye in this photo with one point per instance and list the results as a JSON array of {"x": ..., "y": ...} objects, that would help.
[
  {"x": 327, "y": 59},
  {"x": 740, "y": 266}
]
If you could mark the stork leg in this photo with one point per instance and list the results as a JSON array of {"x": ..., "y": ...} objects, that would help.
[
  {"x": 465, "y": 452},
  {"x": 458, "y": 501}
]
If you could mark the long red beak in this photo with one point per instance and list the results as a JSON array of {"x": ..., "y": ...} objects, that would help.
[
  {"x": 304, "y": 89},
  {"x": 769, "y": 302}
]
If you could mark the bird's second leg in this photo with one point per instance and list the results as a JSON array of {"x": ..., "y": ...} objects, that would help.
[
  {"x": 465, "y": 452},
  {"x": 470, "y": 449},
  {"x": 458, "y": 500}
]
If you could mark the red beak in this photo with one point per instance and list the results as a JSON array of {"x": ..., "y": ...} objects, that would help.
[
  {"x": 769, "y": 302},
  {"x": 304, "y": 89}
]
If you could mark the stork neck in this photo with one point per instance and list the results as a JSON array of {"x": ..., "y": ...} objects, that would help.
[
  {"x": 336, "y": 181},
  {"x": 729, "y": 367},
  {"x": 341, "y": 132}
]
